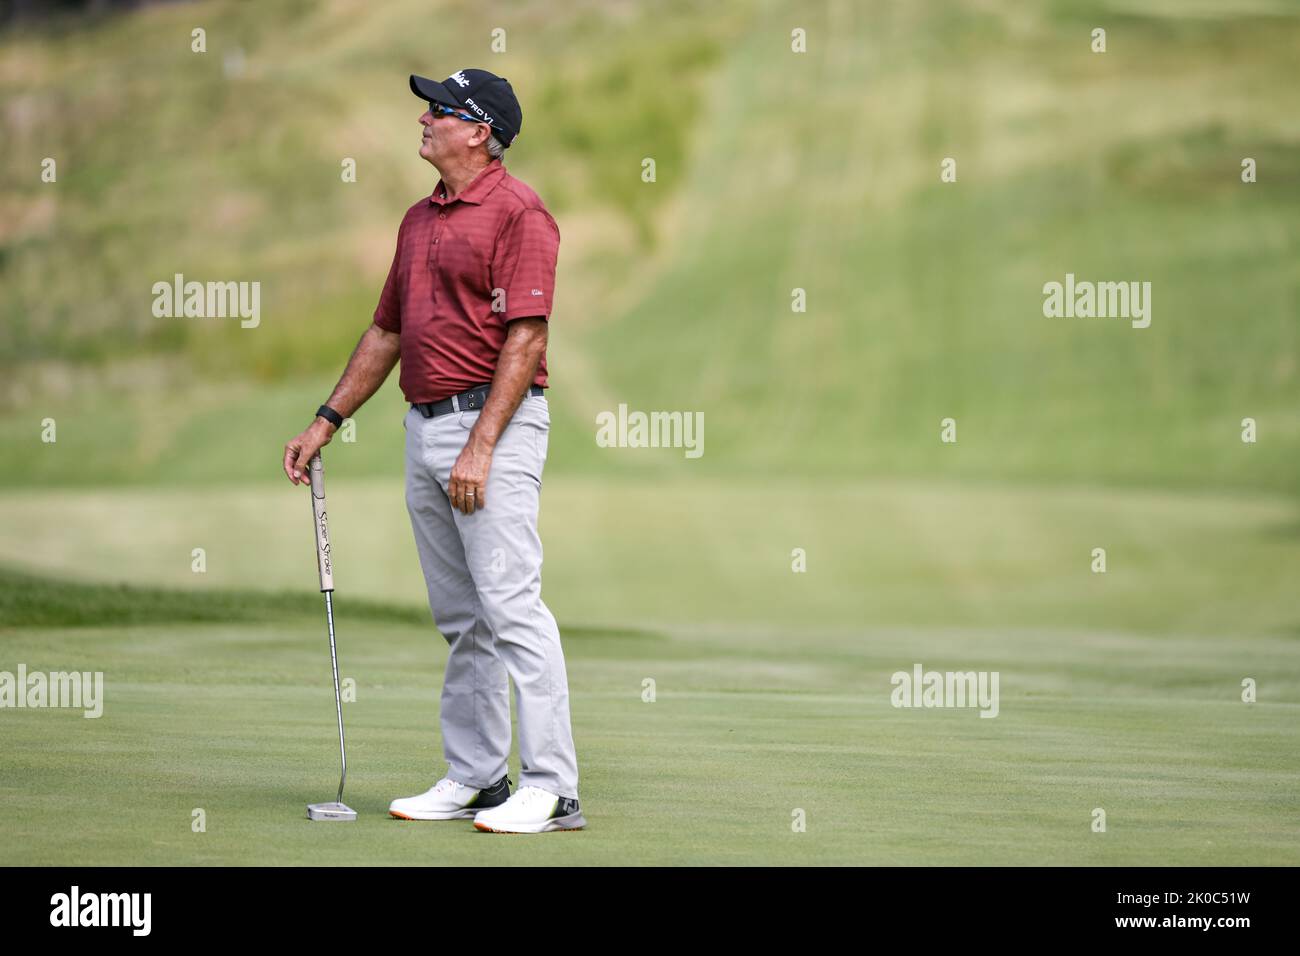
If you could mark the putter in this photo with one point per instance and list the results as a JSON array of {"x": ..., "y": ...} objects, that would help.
[{"x": 338, "y": 810}]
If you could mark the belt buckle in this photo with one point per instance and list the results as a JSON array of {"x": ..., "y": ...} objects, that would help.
[{"x": 455, "y": 403}]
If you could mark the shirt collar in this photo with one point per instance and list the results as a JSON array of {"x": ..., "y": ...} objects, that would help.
[{"x": 477, "y": 190}]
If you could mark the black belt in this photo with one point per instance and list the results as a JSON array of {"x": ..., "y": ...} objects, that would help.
[{"x": 466, "y": 401}]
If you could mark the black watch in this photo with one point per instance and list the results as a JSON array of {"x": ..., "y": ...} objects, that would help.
[{"x": 331, "y": 416}]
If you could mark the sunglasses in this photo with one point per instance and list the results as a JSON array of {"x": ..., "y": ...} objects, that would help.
[{"x": 437, "y": 109}]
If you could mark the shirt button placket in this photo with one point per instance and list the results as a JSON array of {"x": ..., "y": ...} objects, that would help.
[{"x": 433, "y": 254}]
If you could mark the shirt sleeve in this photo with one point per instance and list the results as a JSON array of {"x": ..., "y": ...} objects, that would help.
[
  {"x": 388, "y": 314},
  {"x": 523, "y": 264}
]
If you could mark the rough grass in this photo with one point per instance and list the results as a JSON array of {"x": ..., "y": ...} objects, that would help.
[
  {"x": 226, "y": 164},
  {"x": 30, "y": 600},
  {"x": 923, "y": 299}
]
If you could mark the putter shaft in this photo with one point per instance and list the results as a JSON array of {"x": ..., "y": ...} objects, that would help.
[
  {"x": 325, "y": 565},
  {"x": 338, "y": 699}
]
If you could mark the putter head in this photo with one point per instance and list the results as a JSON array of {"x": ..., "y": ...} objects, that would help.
[{"x": 330, "y": 811}]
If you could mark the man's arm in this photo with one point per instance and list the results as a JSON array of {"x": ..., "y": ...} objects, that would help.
[
  {"x": 373, "y": 358},
  {"x": 516, "y": 367}
]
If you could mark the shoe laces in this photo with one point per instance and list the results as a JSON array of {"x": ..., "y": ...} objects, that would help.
[
  {"x": 446, "y": 784},
  {"x": 531, "y": 794}
]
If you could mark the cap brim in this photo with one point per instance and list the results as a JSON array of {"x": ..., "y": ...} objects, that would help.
[{"x": 427, "y": 89}]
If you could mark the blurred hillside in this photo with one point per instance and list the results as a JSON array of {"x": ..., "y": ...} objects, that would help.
[{"x": 775, "y": 171}]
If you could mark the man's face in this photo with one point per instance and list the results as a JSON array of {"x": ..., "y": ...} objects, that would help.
[{"x": 448, "y": 137}]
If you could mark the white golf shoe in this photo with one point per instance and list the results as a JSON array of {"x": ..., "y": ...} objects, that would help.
[
  {"x": 450, "y": 800},
  {"x": 531, "y": 810}
]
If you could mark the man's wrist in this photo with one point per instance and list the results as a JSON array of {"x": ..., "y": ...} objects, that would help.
[
  {"x": 481, "y": 440},
  {"x": 330, "y": 415}
]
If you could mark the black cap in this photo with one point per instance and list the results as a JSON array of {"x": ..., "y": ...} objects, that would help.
[{"x": 478, "y": 93}]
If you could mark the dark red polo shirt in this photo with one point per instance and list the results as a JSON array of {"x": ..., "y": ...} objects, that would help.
[{"x": 464, "y": 268}]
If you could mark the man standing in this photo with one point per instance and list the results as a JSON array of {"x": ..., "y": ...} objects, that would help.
[{"x": 465, "y": 307}]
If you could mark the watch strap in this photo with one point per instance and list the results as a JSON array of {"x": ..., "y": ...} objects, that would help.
[{"x": 331, "y": 416}]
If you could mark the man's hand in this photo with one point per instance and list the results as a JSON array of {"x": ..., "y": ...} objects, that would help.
[
  {"x": 516, "y": 366},
  {"x": 468, "y": 485},
  {"x": 299, "y": 452}
]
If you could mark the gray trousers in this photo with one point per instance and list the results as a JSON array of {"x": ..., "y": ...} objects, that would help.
[{"x": 483, "y": 572}]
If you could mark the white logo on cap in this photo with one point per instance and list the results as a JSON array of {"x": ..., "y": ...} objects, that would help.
[
  {"x": 487, "y": 118},
  {"x": 459, "y": 77}
]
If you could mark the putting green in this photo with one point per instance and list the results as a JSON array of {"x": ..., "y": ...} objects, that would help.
[
  {"x": 747, "y": 728},
  {"x": 772, "y": 689}
]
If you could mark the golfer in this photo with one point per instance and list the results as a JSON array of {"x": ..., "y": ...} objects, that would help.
[{"x": 465, "y": 308}]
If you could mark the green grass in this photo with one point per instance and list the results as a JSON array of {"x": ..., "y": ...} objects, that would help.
[
  {"x": 640, "y": 552},
  {"x": 924, "y": 299},
  {"x": 175, "y": 164},
  {"x": 774, "y": 171},
  {"x": 748, "y": 726},
  {"x": 31, "y": 600},
  {"x": 1119, "y": 691}
]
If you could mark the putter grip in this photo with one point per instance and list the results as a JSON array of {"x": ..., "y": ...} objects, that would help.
[{"x": 324, "y": 560}]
